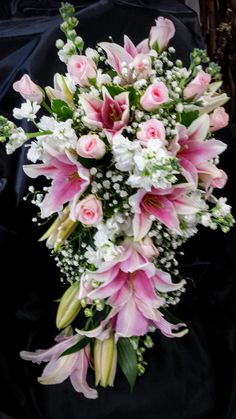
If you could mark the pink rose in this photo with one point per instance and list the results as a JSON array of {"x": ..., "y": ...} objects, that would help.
[
  {"x": 28, "y": 89},
  {"x": 91, "y": 147},
  {"x": 155, "y": 95},
  {"x": 161, "y": 33},
  {"x": 148, "y": 249},
  {"x": 81, "y": 69},
  {"x": 142, "y": 65},
  {"x": 219, "y": 119},
  {"x": 88, "y": 211},
  {"x": 198, "y": 85},
  {"x": 150, "y": 130}
]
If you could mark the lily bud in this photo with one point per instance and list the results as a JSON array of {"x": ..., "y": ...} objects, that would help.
[
  {"x": 62, "y": 90},
  {"x": 105, "y": 361},
  {"x": 59, "y": 231},
  {"x": 69, "y": 306}
]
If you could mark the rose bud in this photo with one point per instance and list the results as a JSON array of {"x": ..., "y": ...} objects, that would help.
[
  {"x": 81, "y": 69},
  {"x": 28, "y": 89},
  {"x": 161, "y": 33},
  {"x": 155, "y": 95},
  {"x": 69, "y": 306},
  {"x": 198, "y": 85},
  {"x": 91, "y": 147},
  {"x": 219, "y": 119},
  {"x": 88, "y": 211},
  {"x": 105, "y": 361}
]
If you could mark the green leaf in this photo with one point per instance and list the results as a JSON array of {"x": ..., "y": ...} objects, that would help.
[
  {"x": 134, "y": 96},
  {"x": 188, "y": 117},
  {"x": 77, "y": 347},
  {"x": 114, "y": 90},
  {"x": 127, "y": 360},
  {"x": 62, "y": 109}
]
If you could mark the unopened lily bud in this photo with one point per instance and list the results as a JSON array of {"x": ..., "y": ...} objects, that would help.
[
  {"x": 105, "y": 361},
  {"x": 69, "y": 306}
]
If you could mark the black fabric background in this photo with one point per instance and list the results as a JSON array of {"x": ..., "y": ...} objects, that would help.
[{"x": 189, "y": 378}]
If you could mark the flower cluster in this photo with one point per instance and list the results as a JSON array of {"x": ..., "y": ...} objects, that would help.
[{"x": 132, "y": 163}]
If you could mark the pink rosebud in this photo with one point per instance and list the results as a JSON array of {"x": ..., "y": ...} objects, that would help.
[
  {"x": 28, "y": 89},
  {"x": 89, "y": 210},
  {"x": 151, "y": 129},
  {"x": 81, "y": 69},
  {"x": 219, "y": 119},
  {"x": 142, "y": 65},
  {"x": 155, "y": 95},
  {"x": 161, "y": 33},
  {"x": 91, "y": 147},
  {"x": 198, "y": 85},
  {"x": 148, "y": 249}
]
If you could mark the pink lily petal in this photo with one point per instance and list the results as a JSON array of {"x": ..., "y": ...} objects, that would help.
[
  {"x": 35, "y": 170},
  {"x": 141, "y": 225},
  {"x": 211, "y": 176},
  {"x": 78, "y": 377},
  {"x": 143, "y": 47},
  {"x": 120, "y": 297},
  {"x": 129, "y": 47},
  {"x": 92, "y": 107},
  {"x": 130, "y": 321},
  {"x": 197, "y": 151},
  {"x": 116, "y": 55},
  {"x": 58, "y": 370},
  {"x": 45, "y": 355},
  {"x": 190, "y": 172},
  {"x": 185, "y": 205},
  {"x": 162, "y": 209},
  {"x": 163, "y": 283},
  {"x": 144, "y": 289},
  {"x": 199, "y": 128},
  {"x": 109, "y": 288}
]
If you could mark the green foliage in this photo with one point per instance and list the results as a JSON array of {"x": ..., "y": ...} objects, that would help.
[
  {"x": 77, "y": 347},
  {"x": 61, "y": 109},
  {"x": 188, "y": 117},
  {"x": 127, "y": 360}
]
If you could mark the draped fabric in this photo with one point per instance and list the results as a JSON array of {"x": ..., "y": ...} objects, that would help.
[{"x": 189, "y": 378}]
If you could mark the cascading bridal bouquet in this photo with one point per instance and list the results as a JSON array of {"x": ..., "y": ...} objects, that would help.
[{"x": 130, "y": 153}]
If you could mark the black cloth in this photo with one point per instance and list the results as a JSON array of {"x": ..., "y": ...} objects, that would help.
[{"x": 188, "y": 378}]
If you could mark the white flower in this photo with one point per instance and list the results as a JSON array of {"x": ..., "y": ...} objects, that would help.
[
  {"x": 224, "y": 208},
  {"x": 123, "y": 152},
  {"x": 27, "y": 110},
  {"x": 92, "y": 53},
  {"x": 35, "y": 152},
  {"x": 68, "y": 50},
  {"x": 63, "y": 135},
  {"x": 102, "y": 78},
  {"x": 16, "y": 140}
]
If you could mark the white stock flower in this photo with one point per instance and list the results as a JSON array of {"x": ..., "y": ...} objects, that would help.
[
  {"x": 16, "y": 140},
  {"x": 63, "y": 135},
  {"x": 102, "y": 78},
  {"x": 65, "y": 52},
  {"x": 27, "y": 110},
  {"x": 123, "y": 152}
]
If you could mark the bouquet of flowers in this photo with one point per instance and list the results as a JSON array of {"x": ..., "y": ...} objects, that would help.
[{"x": 130, "y": 161}]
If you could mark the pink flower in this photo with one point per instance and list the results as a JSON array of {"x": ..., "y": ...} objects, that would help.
[
  {"x": 88, "y": 211},
  {"x": 70, "y": 179},
  {"x": 142, "y": 65},
  {"x": 117, "y": 55},
  {"x": 59, "y": 368},
  {"x": 91, "y": 147},
  {"x": 81, "y": 69},
  {"x": 198, "y": 85},
  {"x": 161, "y": 33},
  {"x": 210, "y": 176},
  {"x": 193, "y": 149},
  {"x": 155, "y": 95},
  {"x": 219, "y": 119},
  {"x": 131, "y": 285},
  {"x": 163, "y": 205},
  {"x": 110, "y": 114},
  {"x": 151, "y": 129},
  {"x": 28, "y": 89}
]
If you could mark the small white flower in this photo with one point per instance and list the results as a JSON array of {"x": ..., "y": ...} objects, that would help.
[
  {"x": 16, "y": 140},
  {"x": 27, "y": 110}
]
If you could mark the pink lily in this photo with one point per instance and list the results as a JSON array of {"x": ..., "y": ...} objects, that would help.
[
  {"x": 117, "y": 55},
  {"x": 210, "y": 176},
  {"x": 110, "y": 114},
  {"x": 70, "y": 178},
  {"x": 163, "y": 205},
  {"x": 59, "y": 368},
  {"x": 130, "y": 284},
  {"x": 192, "y": 148}
]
